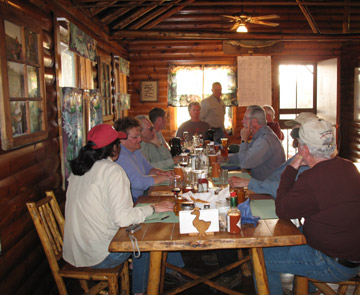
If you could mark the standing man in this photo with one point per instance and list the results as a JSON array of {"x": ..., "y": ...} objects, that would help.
[
  {"x": 194, "y": 125},
  {"x": 327, "y": 197},
  {"x": 153, "y": 150},
  {"x": 264, "y": 153},
  {"x": 140, "y": 172},
  {"x": 213, "y": 111}
]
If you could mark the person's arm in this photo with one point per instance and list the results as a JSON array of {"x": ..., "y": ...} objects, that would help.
[
  {"x": 119, "y": 199},
  {"x": 138, "y": 179},
  {"x": 180, "y": 131},
  {"x": 152, "y": 152},
  {"x": 295, "y": 199},
  {"x": 254, "y": 155},
  {"x": 203, "y": 110}
]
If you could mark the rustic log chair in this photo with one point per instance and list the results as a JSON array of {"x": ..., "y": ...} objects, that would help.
[
  {"x": 302, "y": 284},
  {"x": 49, "y": 224}
]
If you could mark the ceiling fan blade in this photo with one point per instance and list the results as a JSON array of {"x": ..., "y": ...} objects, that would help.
[
  {"x": 235, "y": 26},
  {"x": 259, "y": 22},
  {"x": 235, "y": 18},
  {"x": 263, "y": 17}
]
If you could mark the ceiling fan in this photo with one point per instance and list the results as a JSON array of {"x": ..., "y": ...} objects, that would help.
[{"x": 242, "y": 19}]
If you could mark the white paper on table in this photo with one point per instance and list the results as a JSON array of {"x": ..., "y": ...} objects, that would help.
[
  {"x": 209, "y": 196},
  {"x": 186, "y": 220}
]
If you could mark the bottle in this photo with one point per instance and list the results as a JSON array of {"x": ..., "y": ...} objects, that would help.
[
  {"x": 233, "y": 216},
  {"x": 203, "y": 184}
]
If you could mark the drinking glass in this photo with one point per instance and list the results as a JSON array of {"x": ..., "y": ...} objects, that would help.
[
  {"x": 186, "y": 137},
  {"x": 184, "y": 160},
  {"x": 175, "y": 184}
]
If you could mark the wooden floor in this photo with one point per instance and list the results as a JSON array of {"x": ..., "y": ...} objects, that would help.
[{"x": 194, "y": 263}]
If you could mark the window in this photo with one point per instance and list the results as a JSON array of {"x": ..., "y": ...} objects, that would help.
[
  {"x": 296, "y": 95},
  {"x": 23, "y": 111},
  {"x": 194, "y": 83}
]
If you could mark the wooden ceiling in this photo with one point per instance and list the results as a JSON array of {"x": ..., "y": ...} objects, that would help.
[{"x": 201, "y": 19}]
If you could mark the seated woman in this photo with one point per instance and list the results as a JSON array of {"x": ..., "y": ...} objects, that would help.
[{"x": 98, "y": 202}]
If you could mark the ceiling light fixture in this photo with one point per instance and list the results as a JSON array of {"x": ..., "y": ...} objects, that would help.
[{"x": 242, "y": 28}]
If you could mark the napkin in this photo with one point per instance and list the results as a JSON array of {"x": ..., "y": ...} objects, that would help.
[
  {"x": 246, "y": 215},
  {"x": 209, "y": 196}
]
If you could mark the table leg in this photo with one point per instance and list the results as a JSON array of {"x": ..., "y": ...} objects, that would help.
[
  {"x": 154, "y": 272},
  {"x": 260, "y": 271}
]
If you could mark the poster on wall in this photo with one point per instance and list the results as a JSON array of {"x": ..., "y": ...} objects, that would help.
[
  {"x": 254, "y": 80},
  {"x": 95, "y": 109},
  {"x": 73, "y": 127},
  {"x": 82, "y": 43}
]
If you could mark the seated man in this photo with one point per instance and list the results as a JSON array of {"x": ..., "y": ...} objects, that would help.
[
  {"x": 274, "y": 126},
  {"x": 264, "y": 153},
  {"x": 194, "y": 125},
  {"x": 158, "y": 118},
  {"x": 153, "y": 150},
  {"x": 140, "y": 172},
  {"x": 327, "y": 197},
  {"x": 271, "y": 183}
]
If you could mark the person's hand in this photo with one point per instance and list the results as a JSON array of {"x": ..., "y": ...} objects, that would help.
[
  {"x": 163, "y": 206},
  {"x": 176, "y": 159},
  {"x": 235, "y": 181},
  {"x": 297, "y": 161},
  {"x": 245, "y": 133}
]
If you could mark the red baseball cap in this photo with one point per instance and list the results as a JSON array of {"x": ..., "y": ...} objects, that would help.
[{"x": 104, "y": 134}]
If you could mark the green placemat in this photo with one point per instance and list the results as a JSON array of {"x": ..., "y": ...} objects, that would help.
[
  {"x": 239, "y": 174},
  {"x": 162, "y": 183},
  {"x": 160, "y": 217},
  {"x": 265, "y": 209}
]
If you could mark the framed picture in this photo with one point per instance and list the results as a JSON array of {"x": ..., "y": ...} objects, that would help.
[{"x": 149, "y": 91}]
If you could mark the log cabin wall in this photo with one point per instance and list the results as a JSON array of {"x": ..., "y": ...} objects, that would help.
[
  {"x": 150, "y": 61},
  {"x": 350, "y": 129},
  {"x": 27, "y": 172}
]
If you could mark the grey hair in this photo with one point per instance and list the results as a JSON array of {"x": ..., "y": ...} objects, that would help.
[
  {"x": 258, "y": 113},
  {"x": 326, "y": 152},
  {"x": 269, "y": 110},
  {"x": 140, "y": 118}
]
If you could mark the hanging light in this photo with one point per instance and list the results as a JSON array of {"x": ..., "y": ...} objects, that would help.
[{"x": 242, "y": 28}]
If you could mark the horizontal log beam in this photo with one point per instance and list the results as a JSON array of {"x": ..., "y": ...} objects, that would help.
[{"x": 147, "y": 34}]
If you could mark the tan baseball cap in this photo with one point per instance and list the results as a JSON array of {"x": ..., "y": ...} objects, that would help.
[
  {"x": 317, "y": 133},
  {"x": 300, "y": 119}
]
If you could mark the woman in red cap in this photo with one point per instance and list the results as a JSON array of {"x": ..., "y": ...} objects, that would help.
[{"x": 98, "y": 202}]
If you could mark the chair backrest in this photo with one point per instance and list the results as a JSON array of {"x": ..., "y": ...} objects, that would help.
[{"x": 49, "y": 224}]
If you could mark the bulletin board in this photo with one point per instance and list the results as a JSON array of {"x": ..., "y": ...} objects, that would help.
[{"x": 254, "y": 80}]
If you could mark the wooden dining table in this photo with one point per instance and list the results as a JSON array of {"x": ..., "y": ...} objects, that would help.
[{"x": 159, "y": 238}]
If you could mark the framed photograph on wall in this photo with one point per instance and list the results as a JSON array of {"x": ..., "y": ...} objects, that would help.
[{"x": 149, "y": 91}]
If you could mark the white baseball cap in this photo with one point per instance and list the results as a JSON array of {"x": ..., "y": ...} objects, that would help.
[
  {"x": 317, "y": 133},
  {"x": 300, "y": 119}
]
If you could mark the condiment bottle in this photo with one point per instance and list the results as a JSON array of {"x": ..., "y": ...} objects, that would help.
[
  {"x": 203, "y": 183},
  {"x": 233, "y": 216}
]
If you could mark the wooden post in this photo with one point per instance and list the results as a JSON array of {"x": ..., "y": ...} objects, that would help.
[
  {"x": 260, "y": 271},
  {"x": 155, "y": 267},
  {"x": 301, "y": 285}
]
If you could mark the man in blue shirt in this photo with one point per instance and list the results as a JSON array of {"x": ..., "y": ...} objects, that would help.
[
  {"x": 264, "y": 153},
  {"x": 271, "y": 183},
  {"x": 140, "y": 172}
]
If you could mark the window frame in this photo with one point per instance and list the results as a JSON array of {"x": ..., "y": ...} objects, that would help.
[{"x": 8, "y": 139}]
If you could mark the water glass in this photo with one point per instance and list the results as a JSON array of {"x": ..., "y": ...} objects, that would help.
[
  {"x": 223, "y": 176},
  {"x": 223, "y": 206}
]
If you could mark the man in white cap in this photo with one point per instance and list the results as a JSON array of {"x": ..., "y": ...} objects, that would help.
[
  {"x": 327, "y": 197},
  {"x": 271, "y": 183}
]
